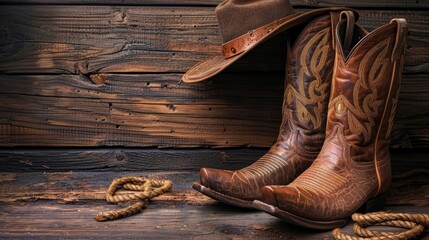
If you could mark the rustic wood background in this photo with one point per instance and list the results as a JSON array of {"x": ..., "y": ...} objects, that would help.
[
  {"x": 90, "y": 91},
  {"x": 85, "y": 76}
]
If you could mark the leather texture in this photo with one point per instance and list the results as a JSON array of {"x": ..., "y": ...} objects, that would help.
[
  {"x": 307, "y": 84},
  {"x": 236, "y": 17},
  {"x": 246, "y": 41},
  {"x": 354, "y": 163}
]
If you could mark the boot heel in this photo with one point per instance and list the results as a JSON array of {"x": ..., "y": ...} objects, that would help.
[{"x": 374, "y": 204}]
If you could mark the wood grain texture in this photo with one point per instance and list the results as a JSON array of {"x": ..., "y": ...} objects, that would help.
[
  {"x": 82, "y": 40},
  {"x": 138, "y": 110},
  {"x": 55, "y": 220},
  {"x": 125, "y": 159},
  {"x": 76, "y": 186},
  {"x": 50, "y": 220},
  {"x": 307, "y": 3},
  {"x": 63, "y": 204},
  {"x": 131, "y": 39},
  {"x": 155, "y": 110},
  {"x": 128, "y": 159}
]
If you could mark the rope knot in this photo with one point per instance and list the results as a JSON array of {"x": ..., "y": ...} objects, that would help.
[{"x": 148, "y": 189}]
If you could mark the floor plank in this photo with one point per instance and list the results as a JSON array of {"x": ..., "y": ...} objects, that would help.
[
  {"x": 48, "y": 219},
  {"x": 63, "y": 205},
  {"x": 157, "y": 222}
]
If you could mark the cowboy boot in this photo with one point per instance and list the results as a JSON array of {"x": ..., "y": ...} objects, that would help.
[
  {"x": 353, "y": 169},
  {"x": 310, "y": 61}
]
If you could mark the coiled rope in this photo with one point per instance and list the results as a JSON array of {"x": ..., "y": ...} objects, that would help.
[
  {"x": 149, "y": 188},
  {"x": 415, "y": 224}
]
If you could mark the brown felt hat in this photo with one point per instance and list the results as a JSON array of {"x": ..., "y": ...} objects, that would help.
[{"x": 244, "y": 24}]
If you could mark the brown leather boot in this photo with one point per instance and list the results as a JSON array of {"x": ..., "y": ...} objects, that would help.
[
  {"x": 353, "y": 167},
  {"x": 309, "y": 70}
]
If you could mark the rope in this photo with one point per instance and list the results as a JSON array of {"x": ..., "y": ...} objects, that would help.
[
  {"x": 415, "y": 224},
  {"x": 149, "y": 188}
]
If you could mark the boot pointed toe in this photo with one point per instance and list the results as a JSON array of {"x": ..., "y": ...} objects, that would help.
[
  {"x": 269, "y": 196},
  {"x": 289, "y": 198},
  {"x": 282, "y": 197},
  {"x": 216, "y": 179},
  {"x": 205, "y": 177}
]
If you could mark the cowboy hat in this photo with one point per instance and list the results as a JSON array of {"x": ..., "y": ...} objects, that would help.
[{"x": 244, "y": 24}]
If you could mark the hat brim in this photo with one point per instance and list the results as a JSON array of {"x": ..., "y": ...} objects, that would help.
[{"x": 216, "y": 64}]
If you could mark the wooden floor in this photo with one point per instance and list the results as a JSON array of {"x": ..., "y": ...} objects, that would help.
[{"x": 63, "y": 205}]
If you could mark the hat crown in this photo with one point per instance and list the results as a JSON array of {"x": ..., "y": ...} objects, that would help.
[{"x": 236, "y": 17}]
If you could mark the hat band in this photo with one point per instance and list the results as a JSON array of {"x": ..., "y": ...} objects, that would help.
[{"x": 246, "y": 41}]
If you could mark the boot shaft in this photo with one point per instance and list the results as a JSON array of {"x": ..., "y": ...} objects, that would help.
[
  {"x": 365, "y": 86},
  {"x": 309, "y": 68}
]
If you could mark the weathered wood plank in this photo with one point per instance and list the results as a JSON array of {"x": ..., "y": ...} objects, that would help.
[
  {"x": 128, "y": 159},
  {"x": 123, "y": 159},
  {"x": 156, "y": 110},
  {"x": 83, "y": 186},
  {"x": 412, "y": 106},
  {"x": 63, "y": 204},
  {"x": 73, "y": 39},
  {"x": 52, "y": 220},
  {"x": 100, "y": 39},
  {"x": 307, "y": 3},
  {"x": 138, "y": 110}
]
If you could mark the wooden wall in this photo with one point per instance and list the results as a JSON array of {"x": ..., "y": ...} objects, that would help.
[{"x": 85, "y": 76}]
